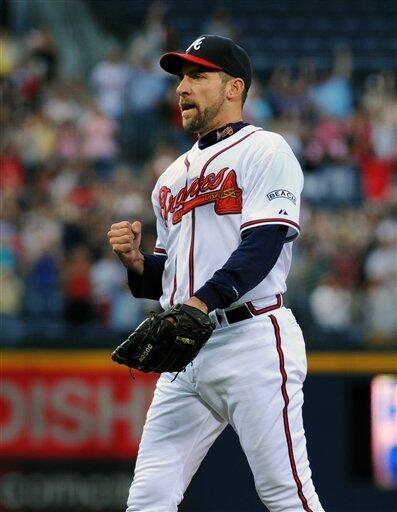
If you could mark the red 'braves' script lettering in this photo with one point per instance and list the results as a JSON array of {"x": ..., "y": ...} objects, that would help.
[{"x": 227, "y": 198}]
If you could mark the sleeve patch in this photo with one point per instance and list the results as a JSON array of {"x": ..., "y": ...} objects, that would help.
[{"x": 281, "y": 193}]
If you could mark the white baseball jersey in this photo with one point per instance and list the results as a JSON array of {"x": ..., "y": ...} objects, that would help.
[
  {"x": 250, "y": 373},
  {"x": 208, "y": 197}
]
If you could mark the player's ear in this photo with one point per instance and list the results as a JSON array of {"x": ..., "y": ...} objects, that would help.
[{"x": 234, "y": 88}]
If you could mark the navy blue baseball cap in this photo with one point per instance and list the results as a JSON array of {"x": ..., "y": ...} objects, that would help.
[{"x": 213, "y": 53}]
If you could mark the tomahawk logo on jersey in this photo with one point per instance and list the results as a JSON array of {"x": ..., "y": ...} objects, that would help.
[
  {"x": 219, "y": 188},
  {"x": 249, "y": 179}
]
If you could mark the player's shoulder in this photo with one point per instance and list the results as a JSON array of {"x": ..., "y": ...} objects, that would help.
[
  {"x": 266, "y": 142},
  {"x": 271, "y": 151}
]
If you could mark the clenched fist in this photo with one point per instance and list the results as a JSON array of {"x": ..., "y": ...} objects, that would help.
[{"x": 125, "y": 239}]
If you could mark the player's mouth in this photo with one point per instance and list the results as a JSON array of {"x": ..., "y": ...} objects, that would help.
[{"x": 187, "y": 107}]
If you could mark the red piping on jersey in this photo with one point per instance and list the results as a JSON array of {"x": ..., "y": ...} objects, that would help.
[
  {"x": 174, "y": 289},
  {"x": 278, "y": 220},
  {"x": 191, "y": 251},
  {"x": 256, "y": 312},
  {"x": 191, "y": 255},
  {"x": 159, "y": 250},
  {"x": 287, "y": 431}
]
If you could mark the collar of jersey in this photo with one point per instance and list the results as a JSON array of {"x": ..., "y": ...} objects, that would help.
[{"x": 220, "y": 134}]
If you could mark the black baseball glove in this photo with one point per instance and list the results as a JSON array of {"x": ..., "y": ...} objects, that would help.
[{"x": 160, "y": 345}]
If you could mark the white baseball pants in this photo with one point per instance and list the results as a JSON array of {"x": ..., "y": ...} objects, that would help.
[{"x": 249, "y": 374}]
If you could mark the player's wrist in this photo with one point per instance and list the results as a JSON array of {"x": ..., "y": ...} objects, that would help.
[
  {"x": 210, "y": 295},
  {"x": 135, "y": 264},
  {"x": 195, "y": 302}
]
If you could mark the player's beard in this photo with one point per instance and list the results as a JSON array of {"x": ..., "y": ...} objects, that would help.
[{"x": 202, "y": 122}]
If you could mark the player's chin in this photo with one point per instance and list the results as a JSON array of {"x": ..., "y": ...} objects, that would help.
[
  {"x": 186, "y": 123},
  {"x": 189, "y": 124},
  {"x": 188, "y": 115}
]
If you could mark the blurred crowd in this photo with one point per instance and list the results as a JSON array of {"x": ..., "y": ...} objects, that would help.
[{"x": 79, "y": 154}]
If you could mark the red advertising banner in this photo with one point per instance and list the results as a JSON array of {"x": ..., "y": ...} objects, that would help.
[
  {"x": 70, "y": 405},
  {"x": 79, "y": 404}
]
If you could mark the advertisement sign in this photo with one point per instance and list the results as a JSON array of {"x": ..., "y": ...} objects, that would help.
[
  {"x": 71, "y": 410},
  {"x": 65, "y": 485},
  {"x": 384, "y": 430}
]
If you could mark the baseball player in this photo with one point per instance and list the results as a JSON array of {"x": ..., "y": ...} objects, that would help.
[{"x": 227, "y": 213}]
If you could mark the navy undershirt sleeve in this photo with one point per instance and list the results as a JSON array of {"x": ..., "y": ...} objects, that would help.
[
  {"x": 148, "y": 285},
  {"x": 247, "y": 266}
]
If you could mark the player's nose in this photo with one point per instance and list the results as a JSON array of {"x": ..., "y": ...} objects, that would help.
[{"x": 183, "y": 87}]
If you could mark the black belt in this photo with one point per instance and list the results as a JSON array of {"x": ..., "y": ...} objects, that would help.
[
  {"x": 238, "y": 314},
  {"x": 247, "y": 310}
]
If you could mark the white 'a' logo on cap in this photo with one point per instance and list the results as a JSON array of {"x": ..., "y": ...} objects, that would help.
[{"x": 196, "y": 44}]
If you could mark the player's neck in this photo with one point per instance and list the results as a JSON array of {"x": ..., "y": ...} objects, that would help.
[
  {"x": 222, "y": 122},
  {"x": 220, "y": 133}
]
